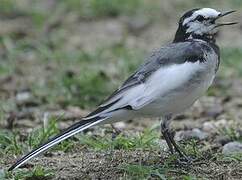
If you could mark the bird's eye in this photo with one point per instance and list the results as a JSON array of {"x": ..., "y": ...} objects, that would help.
[
  {"x": 200, "y": 18},
  {"x": 212, "y": 21}
]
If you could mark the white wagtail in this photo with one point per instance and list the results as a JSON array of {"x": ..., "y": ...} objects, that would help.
[{"x": 169, "y": 82}]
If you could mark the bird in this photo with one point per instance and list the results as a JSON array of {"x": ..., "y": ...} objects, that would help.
[{"x": 170, "y": 80}]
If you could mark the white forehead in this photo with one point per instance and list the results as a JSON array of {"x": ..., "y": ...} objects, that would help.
[{"x": 206, "y": 12}]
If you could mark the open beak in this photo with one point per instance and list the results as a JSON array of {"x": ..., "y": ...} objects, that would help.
[
  {"x": 226, "y": 13},
  {"x": 225, "y": 23}
]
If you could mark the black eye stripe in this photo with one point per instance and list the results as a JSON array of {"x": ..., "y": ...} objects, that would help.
[{"x": 200, "y": 18}]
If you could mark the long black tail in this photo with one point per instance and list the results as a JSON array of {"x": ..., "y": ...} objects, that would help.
[{"x": 72, "y": 130}]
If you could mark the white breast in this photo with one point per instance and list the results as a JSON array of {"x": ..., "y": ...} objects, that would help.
[{"x": 177, "y": 87}]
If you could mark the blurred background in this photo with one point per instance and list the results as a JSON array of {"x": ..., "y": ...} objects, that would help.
[{"x": 62, "y": 58}]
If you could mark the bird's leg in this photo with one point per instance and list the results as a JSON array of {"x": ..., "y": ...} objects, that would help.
[
  {"x": 115, "y": 132},
  {"x": 176, "y": 147},
  {"x": 164, "y": 132},
  {"x": 169, "y": 137}
]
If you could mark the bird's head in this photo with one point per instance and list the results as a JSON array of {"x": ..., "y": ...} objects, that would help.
[{"x": 200, "y": 24}]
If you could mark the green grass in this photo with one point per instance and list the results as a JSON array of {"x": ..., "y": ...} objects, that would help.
[
  {"x": 170, "y": 167},
  {"x": 230, "y": 158},
  {"x": 148, "y": 141},
  {"x": 231, "y": 61},
  {"x": 230, "y": 67},
  {"x": 160, "y": 172},
  {"x": 104, "y": 8},
  {"x": 9, "y": 143},
  {"x": 99, "y": 8},
  {"x": 193, "y": 148},
  {"x": 79, "y": 78},
  {"x": 7, "y": 6},
  {"x": 82, "y": 78},
  {"x": 145, "y": 140},
  {"x": 83, "y": 8},
  {"x": 7, "y": 64},
  {"x": 13, "y": 143},
  {"x": 143, "y": 172},
  {"x": 41, "y": 135},
  {"x": 5, "y": 69},
  {"x": 231, "y": 131},
  {"x": 38, "y": 173}
]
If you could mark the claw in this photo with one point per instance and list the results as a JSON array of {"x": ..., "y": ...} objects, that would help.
[
  {"x": 115, "y": 132},
  {"x": 185, "y": 161}
]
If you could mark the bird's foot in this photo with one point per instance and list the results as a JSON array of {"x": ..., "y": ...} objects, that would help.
[
  {"x": 187, "y": 161},
  {"x": 115, "y": 131}
]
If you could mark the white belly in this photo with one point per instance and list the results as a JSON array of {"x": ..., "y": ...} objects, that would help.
[
  {"x": 182, "y": 95},
  {"x": 182, "y": 98}
]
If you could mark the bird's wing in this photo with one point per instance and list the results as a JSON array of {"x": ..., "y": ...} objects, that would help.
[{"x": 135, "y": 87}]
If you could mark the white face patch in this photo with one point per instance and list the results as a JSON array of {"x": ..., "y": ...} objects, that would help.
[
  {"x": 204, "y": 27},
  {"x": 205, "y": 12},
  {"x": 200, "y": 28}
]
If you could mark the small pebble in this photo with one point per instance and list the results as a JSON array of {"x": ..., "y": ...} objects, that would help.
[
  {"x": 194, "y": 133},
  {"x": 163, "y": 145},
  {"x": 2, "y": 174},
  {"x": 212, "y": 126},
  {"x": 232, "y": 148},
  {"x": 221, "y": 123},
  {"x": 222, "y": 140},
  {"x": 214, "y": 111},
  {"x": 137, "y": 24},
  {"x": 209, "y": 126},
  {"x": 22, "y": 97},
  {"x": 120, "y": 125}
]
